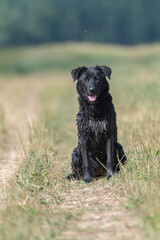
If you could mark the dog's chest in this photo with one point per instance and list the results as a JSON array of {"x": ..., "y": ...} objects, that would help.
[{"x": 98, "y": 127}]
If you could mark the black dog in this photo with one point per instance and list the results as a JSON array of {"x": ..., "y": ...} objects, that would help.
[{"x": 98, "y": 153}]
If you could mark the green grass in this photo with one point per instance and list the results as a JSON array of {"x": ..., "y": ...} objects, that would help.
[
  {"x": 40, "y": 203},
  {"x": 64, "y": 56}
]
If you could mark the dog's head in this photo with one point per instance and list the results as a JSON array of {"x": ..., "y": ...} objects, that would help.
[{"x": 92, "y": 81}]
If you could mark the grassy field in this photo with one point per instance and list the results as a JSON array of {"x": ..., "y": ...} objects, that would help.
[{"x": 38, "y": 107}]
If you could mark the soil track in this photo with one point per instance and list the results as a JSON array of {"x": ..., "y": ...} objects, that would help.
[
  {"x": 109, "y": 220},
  {"x": 19, "y": 105}
]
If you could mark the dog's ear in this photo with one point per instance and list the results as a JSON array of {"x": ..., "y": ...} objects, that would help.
[
  {"x": 77, "y": 72},
  {"x": 105, "y": 70}
]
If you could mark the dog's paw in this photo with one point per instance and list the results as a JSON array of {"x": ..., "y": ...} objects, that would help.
[
  {"x": 71, "y": 176},
  {"x": 109, "y": 175},
  {"x": 87, "y": 178}
]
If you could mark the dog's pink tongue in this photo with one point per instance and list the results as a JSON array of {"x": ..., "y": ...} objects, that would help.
[{"x": 92, "y": 98}]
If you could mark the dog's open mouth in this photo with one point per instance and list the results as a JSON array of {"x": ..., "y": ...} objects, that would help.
[{"x": 92, "y": 98}]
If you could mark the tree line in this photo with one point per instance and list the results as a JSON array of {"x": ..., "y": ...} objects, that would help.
[{"x": 113, "y": 21}]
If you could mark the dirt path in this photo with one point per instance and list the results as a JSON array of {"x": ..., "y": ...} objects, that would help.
[
  {"x": 106, "y": 216},
  {"x": 18, "y": 106}
]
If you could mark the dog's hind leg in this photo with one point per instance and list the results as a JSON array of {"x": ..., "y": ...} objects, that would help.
[
  {"x": 121, "y": 155},
  {"x": 76, "y": 165}
]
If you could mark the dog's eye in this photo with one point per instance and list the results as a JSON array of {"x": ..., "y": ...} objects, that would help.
[
  {"x": 86, "y": 79},
  {"x": 95, "y": 78}
]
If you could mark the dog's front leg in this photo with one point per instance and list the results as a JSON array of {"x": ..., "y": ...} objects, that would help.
[
  {"x": 110, "y": 157},
  {"x": 85, "y": 164}
]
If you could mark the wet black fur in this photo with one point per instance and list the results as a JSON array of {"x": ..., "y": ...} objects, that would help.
[{"x": 98, "y": 152}]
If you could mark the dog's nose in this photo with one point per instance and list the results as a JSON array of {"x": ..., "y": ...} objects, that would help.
[{"x": 91, "y": 90}]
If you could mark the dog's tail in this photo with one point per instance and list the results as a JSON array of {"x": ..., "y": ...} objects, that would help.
[{"x": 121, "y": 156}]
